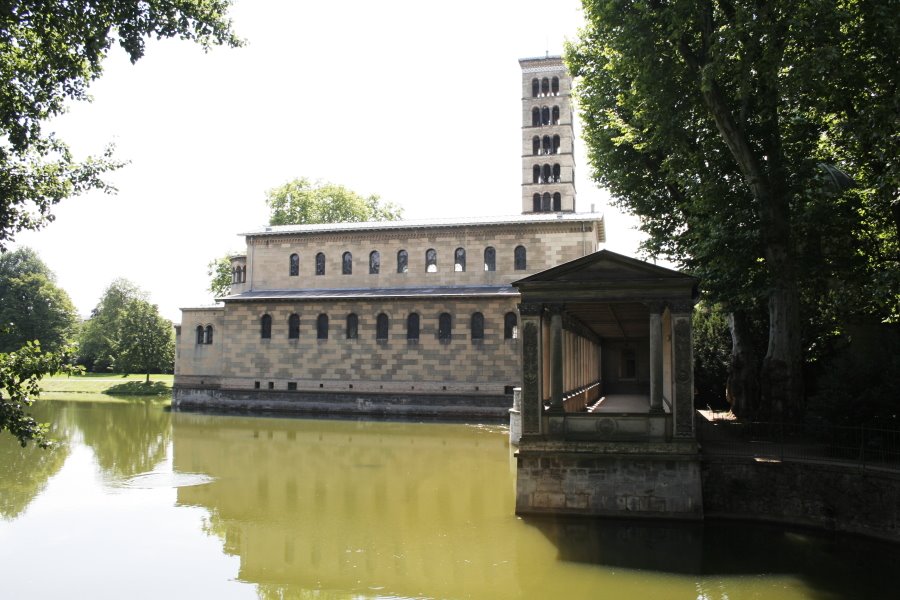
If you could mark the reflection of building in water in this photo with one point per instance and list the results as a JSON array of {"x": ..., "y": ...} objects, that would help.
[{"x": 319, "y": 504}]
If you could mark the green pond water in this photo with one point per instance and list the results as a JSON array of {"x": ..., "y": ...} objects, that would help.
[{"x": 138, "y": 502}]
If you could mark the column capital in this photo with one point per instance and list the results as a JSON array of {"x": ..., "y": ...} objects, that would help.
[
  {"x": 556, "y": 309},
  {"x": 530, "y": 310},
  {"x": 655, "y": 306},
  {"x": 681, "y": 307}
]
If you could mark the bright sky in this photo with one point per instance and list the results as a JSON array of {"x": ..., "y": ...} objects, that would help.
[{"x": 418, "y": 102}]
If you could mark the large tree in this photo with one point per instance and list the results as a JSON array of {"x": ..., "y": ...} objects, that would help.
[
  {"x": 145, "y": 342},
  {"x": 728, "y": 127},
  {"x": 32, "y": 306},
  {"x": 98, "y": 337},
  {"x": 302, "y": 202}
]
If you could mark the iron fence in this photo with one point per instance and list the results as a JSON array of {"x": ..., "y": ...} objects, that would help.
[{"x": 865, "y": 447}]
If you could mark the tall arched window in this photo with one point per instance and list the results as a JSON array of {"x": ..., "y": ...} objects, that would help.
[
  {"x": 444, "y": 327},
  {"x": 490, "y": 259},
  {"x": 477, "y": 326},
  {"x": 546, "y": 174},
  {"x": 294, "y": 327},
  {"x": 535, "y": 88},
  {"x": 352, "y": 326},
  {"x": 546, "y": 144},
  {"x": 555, "y": 119},
  {"x": 554, "y": 86},
  {"x": 320, "y": 264},
  {"x": 536, "y": 174},
  {"x": 459, "y": 260},
  {"x": 556, "y": 172},
  {"x": 265, "y": 327},
  {"x": 294, "y": 265},
  {"x": 545, "y": 202},
  {"x": 347, "y": 263},
  {"x": 235, "y": 272},
  {"x": 536, "y": 203},
  {"x": 431, "y": 260},
  {"x": 519, "y": 258},
  {"x": 322, "y": 327},
  {"x": 545, "y": 116},
  {"x": 381, "y": 327},
  {"x": 510, "y": 326},
  {"x": 243, "y": 274},
  {"x": 209, "y": 332},
  {"x": 557, "y": 202},
  {"x": 535, "y": 117},
  {"x": 412, "y": 327},
  {"x": 199, "y": 334},
  {"x": 374, "y": 262},
  {"x": 402, "y": 261},
  {"x": 545, "y": 87},
  {"x": 535, "y": 145},
  {"x": 555, "y": 144}
]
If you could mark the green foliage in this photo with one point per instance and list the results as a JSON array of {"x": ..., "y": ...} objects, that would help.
[
  {"x": 98, "y": 335},
  {"x": 139, "y": 388},
  {"x": 219, "y": 272},
  {"x": 145, "y": 342},
  {"x": 32, "y": 307},
  {"x": 712, "y": 354},
  {"x": 49, "y": 54},
  {"x": 301, "y": 202}
]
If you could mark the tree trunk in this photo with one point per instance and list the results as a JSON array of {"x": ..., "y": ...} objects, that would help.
[
  {"x": 148, "y": 377},
  {"x": 742, "y": 389}
]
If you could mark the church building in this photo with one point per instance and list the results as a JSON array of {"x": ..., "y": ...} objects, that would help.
[{"x": 404, "y": 317}]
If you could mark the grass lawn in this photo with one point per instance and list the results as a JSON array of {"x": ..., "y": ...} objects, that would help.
[{"x": 107, "y": 387}]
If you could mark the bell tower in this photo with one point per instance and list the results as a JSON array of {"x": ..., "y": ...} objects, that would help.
[{"x": 548, "y": 138}]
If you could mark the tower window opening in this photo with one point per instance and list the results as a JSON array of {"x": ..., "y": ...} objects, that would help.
[
  {"x": 510, "y": 326},
  {"x": 546, "y": 205},
  {"x": 536, "y": 174},
  {"x": 519, "y": 255},
  {"x": 547, "y": 145},
  {"x": 477, "y": 326},
  {"x": 459, "y": 260},
  {"x": 381, "y": 327},
  {"x": 556, "y": 173},
  {"x": 535, "y": 117},
  {"x": 546, "y": 174},
  {"x": 555, "y": 120},
  {"x": 545, "y": 87},
  {"x": 320, "y": 264},
  {"x": 536, "y": 203},
  {"x": 444, "y": 327},
  {"x": 265, "y": 327},
  {"x": 431, "y": 260},
  {"x": 545, "y": 116},
  {"x": 535, "y": 88},
  {"x": 199, "y": 334},
  {"x": 294, "y": 327},
  {"x": 347, "y": 263},
  {"x": 555, "y": 144},
  {"x": 490, "y": 259},
  {"x": 374, "y": 262},
  {"x": 554, "y": 86},
  {"x": 322, "y": 327},
  {"x": 294, "y": 265},
  {"x": 557, "y": 202},
  {"x": 243, "y": 274},
  {"x": 412, "y": 327},
  {"x": 352, "y": 326},
  {"x": 535, "y": 145},
  {"x": 208, "y": 337},
  {"x": 402, "y": 261}
]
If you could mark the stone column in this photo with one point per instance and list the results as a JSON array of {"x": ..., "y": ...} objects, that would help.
[
  {"x": 656, "y": 357},
  {"x": 683, "y": 370},
  {"x": 556, "y": 359},
  {"x": 530, "y": 315}
]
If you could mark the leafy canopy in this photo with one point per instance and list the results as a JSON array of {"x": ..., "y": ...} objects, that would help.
[
  {"x": 219, "y": 272},
  {"x": 302, "y": 202},
  {"x": 145, "y": 342},
  {"x": 97, "y": 339}
]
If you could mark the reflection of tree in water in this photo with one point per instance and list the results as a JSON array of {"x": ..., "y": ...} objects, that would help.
[
  {"x": 127, "y": 439},
  {"x": 24, "y": 472}
]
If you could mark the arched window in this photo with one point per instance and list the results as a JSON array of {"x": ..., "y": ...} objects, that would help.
[
  {"x": 535, "y": 88},
  {"x": 444, "y": 327},
  {"x": 510, "y": 326},
  {"x": 546, "y": 174},
  {"x": 294, "y": 265},
  {"x": 431, "y": 260},
  {"x": 234, "y": 274},
  {"x": 459, "y": 260},
  {"x": 347, "y": 263},
  {"x": 320, "y": 264},
  {"x": 243, "y": 274},
  {"x": 402, "y": 261},
  {"x": 554, "y": 86},
  {"x": 535, "y": 116},
  {"x": 199, "y": 334},
  {"x": 352, "y": 326},
  {"x": 555, "y": 144},
  {"x": 412, "y": 327},
  {"x": 374, "y": 262},
  {"x": 265, "y": 327},
  {"x": 294, "y": 327},
  {"x": 477, "y": 326},
  {"x": 209, "y": 331},
  {"x": 555, "y": 118},
  {"x": 322, "y": 327},
  {"x": 519, "y": 258},
  {"x": 556, "y": 172},
  {"x": 535, "y": 145},
  {"x": 490, "y": 259},
  {"x": 557, "y": 202},
  {"x": 545, "y": 87},
  {"x": 536, "y": 174},
  {"x": 536, "y": 203},
  {"x": 546, "y": 144},
  {"x": 545, "y": 202},
  {"x": 381, "y": 327},
  {"x": 545, "y": 116}
]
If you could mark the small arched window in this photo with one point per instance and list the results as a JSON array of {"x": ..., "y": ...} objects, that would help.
[
  {"x": 265, "y": 327},
  {"x": 555, "y": 144},
  {"x": 545, "y": 202},
  {"x": 322, "y": 327},
  {"x": 477, "y": 326},
  {"x": 536, "y": 203},
  {"x": 545, "y": 116},
  {"x": 535, "y": 145},
  {"x": 445, "y": 327},
  {"x": 412, "y": 327},
  {"x": 352, "y": 326},
  {"x": 243, "y": 274},
  {"x": 374, "y": 262},
  {"x": 199, "y": 334},
  {"x": 555, "y": 118},
  {"x": 320, "y": 264},
  {"x": 459, "y": 260},
  {"x": 557, "y": 202},
  {"x": 234, "y": 274},
  {"x": 536, "y": 174},
  {"x": 519, "y": 256},
  {"x": 431, "y": 260},
  {"x": 402, "y": 261},
  {"x": 546, "y": 144},
  {"x": 546, "y": 174},
  {"x": 510, "y": 326},
  {"x": 554, "y": 86},
  {"x": 556, "y": 172},
  {"x": 535, "y": 116},
  {"x": 347, "y": 263},
  {"x": 381, "y": 327},
  {"x": 294, "y": 265},
  {"x": 294, "y": 327},
  {"x": 545, "y": 87},
  {"x": 209, "y": 332},
  {"x": 535, "y": 88},
  {"x": 490, "y": 259}
]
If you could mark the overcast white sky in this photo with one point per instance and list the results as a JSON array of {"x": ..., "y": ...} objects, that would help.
[{"x": 419, "y": 102}]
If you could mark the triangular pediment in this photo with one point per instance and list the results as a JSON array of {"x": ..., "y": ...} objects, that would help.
[{"x": 607, "y": 266}]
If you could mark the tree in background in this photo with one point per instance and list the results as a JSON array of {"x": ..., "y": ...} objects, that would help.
[
  {"x": 97, "y": 341},
  {"x": 728, "y": 127},
  {"x": 144, "y": 342},
  {"x": 32, "y": 306},
  {"x": 301, "y": 202},
  {"x": 219, "y": 272}
]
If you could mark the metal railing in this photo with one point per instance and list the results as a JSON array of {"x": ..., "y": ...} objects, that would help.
[{"x": 865, "y": 447}]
